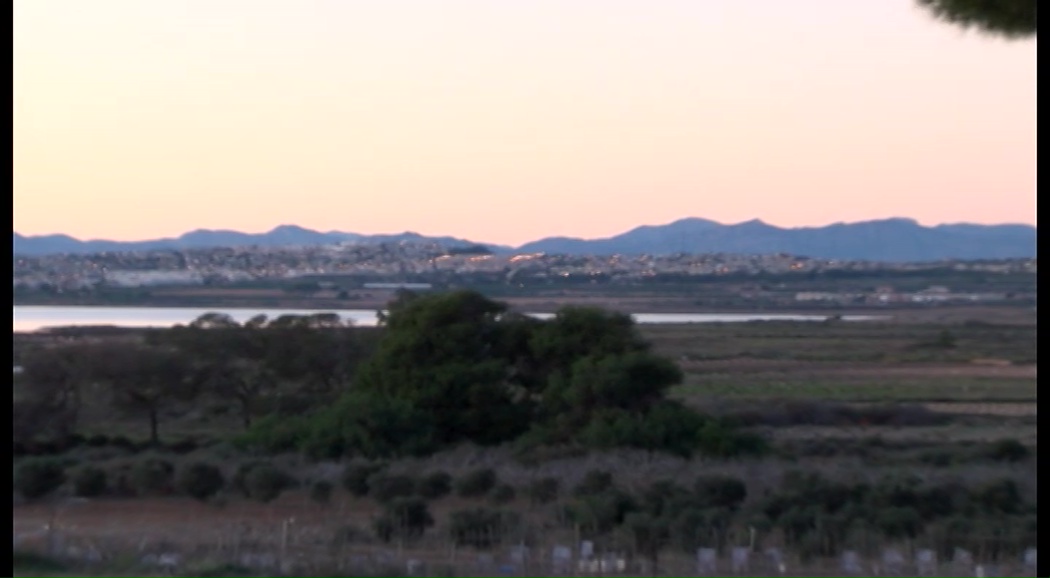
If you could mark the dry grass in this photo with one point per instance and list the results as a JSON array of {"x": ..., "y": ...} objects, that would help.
[{"x": 998, "y": 409}]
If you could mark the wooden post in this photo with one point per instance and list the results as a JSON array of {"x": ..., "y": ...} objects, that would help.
[
  {"x": 574, "y": 559},
  {"x": 284, "y": 543}
]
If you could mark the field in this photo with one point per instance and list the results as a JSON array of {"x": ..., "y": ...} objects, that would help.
[{"x": 917, "y": 394}]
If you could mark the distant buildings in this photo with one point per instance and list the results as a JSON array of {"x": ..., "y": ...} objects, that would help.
[{"x": 417, "y": 266}]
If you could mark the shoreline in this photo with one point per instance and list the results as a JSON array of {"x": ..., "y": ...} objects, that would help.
[
  {"x": 633, "y": 305},
  {"x": 1004, "y": 314}
]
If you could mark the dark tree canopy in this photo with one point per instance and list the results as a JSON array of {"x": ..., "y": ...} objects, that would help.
[
  {"x": 144, "y": 379},
  {"x": 458, "y": 367},
  {"x": 443, "y": 354},
  {"x": 1006, "y": 18}
]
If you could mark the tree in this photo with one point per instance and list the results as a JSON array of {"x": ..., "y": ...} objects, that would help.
[
  {"x": 144, "y": 378},
  {"x": 316, "y": 351},
  {"x": 441, "y": 353},
  {"x": 1006, "y": 18},
  {"x": 578, "y": 332},
  {"x": 48, "y": 394},
  {"x": 244, "y": 364},
  {"x": 227, "y": 360},
  {"x": 633, "y": 381}
]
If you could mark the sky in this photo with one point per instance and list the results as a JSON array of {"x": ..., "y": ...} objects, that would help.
[{"x": 505, "y": 121}]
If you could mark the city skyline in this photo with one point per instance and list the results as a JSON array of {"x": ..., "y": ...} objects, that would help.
[{"x": 509, "y": 122}]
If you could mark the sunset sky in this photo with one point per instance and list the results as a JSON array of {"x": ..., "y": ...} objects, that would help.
[{"x": 509, "y": 120}]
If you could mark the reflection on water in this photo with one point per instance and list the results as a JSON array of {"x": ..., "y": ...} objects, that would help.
[{"x": 32, "y": 318}]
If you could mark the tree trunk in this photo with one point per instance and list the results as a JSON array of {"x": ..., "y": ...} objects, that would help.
[
  {"x": 246, "y": 414},
  {"x": 154, "y": 438}
]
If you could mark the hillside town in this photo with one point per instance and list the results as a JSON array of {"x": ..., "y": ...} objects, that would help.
[{"x": 416, "y": 262}]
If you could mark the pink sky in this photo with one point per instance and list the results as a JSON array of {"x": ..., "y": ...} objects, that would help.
[{"x": 507, "y": 121}]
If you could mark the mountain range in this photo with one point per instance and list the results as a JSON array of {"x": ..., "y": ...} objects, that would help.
[{"x": 888, "y": 240}]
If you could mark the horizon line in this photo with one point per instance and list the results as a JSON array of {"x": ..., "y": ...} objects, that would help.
[{"x": 410, "y": 232}]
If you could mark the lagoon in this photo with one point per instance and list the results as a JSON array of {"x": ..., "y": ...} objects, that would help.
[{"x": 34, "y": 318}]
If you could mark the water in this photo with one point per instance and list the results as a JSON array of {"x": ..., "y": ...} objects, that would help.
[{"x": 33, "y": 318}]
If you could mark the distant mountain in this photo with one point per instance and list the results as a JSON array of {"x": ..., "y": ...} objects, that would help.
[
  {"x": 891, "y": 240},
  {"x": 284, "y": 235}
]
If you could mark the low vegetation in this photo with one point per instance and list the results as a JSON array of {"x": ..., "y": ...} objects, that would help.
[{"x": 459, "y": 422}]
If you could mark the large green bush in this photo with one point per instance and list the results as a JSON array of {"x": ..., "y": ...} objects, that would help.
[
  {"x": 458, "y": 367},
  {"x": 275, "y": 434},
  {"x": 370, "y": 425}
]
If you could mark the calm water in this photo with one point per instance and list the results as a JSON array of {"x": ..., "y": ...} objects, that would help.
[{"x": 32, "y": 318}]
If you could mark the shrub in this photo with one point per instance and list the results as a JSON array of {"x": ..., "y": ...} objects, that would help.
[
  {"x": 274, "y": 434},
  {"x": 502, "y": 494},
  {"x": 97, "y": 441},
  {"x": 482, "y": 528},
  {"x": 124, "y": 443},
  {"x": 152, "y": 476},
  {"x": 899, "y": 522},
  {"x": 240, "y": 476},
  {"x": 184, "y": 446},
  {"x": 1008, "y": 450},
  {"x": 321, "y": 491},
  {"x": 543, "y": 491},
  {"x": 200, "y": 480},
  {"x": 718, "y": 439},
  {"x": 434, "y": 485},
  {"x": 593, "y": 482},
  {"x": 403, "y": 518},
  {"x": 943, "y": 500},
  {"x": 999, "y": 496},
  {"x": 476, "y": 483},
  {"x": 384, "y": 487},
  {"x": 37, "y": 478},
  {"x": 938, "y": 458},
  {"x": 368, "y": 425},
  {"x": 720, "y": 492},
  {"x": 355, "y": 478},
  {"x": 266, "y": 482},
  {"x": 89, "y": 482}
]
